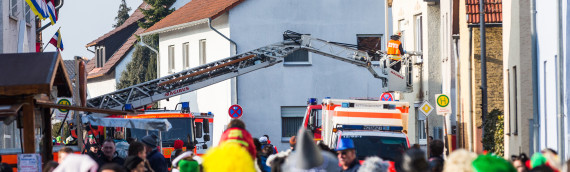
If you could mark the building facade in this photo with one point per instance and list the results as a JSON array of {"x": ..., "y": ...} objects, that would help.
[{"x": 274, "y": 98}]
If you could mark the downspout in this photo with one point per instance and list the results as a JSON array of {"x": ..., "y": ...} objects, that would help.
[
  {"x": 233, "y": 80},
  {"x": 470, "y": 118},
  {"x": 483, "y": 45},
  {"x": 535, "y": 93},
  {"x": 155, "y": 51},
  {"x": 560, "y": 85}
]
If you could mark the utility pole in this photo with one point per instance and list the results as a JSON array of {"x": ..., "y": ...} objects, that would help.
[{"x": 484, "y": 110}]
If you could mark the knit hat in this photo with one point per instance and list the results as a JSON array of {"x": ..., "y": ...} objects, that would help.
[
  {"x": 293, "y": 141},
  {"x": 188, "y": 166},
  {"x": 132, "y": 162},
  {"x": 492, "y": 163},
  {"x": 263, "y": 140},
  {"x": 150, "y": 140},
  {"x": 178, "y": 144}
]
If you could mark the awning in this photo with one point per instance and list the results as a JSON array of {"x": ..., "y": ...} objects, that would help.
[{"x": 144, "y": 124}]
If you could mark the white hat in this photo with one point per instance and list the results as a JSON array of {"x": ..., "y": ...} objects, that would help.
[{"x": 263, "y": 139}]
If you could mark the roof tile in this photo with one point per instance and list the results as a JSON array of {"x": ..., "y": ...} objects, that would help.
[
  {"x": 493, "y": 11},
  {"x": 195, "y": 10}
]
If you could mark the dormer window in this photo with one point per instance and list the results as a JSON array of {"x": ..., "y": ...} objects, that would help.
[{"x": 100, "y": 54}]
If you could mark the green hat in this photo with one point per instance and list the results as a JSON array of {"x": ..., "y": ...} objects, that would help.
[
  {"x": 188, "y": 166},
  {"x": 492, "y": 163},
  {"x": 537, "y": 159}
]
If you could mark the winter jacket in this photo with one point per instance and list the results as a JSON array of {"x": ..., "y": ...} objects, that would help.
[
  {"x": 354, "y": 166},
  {"x": 104, "y": 160},
  {"x": 157, "y": 161}
]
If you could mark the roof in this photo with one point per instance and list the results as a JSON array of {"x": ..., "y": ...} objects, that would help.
[
  {"x": 493, "y": 11},
  {"x": 33, "y": 73},
  {"x": 133, "y": 19},
  {"x": 193, "y": 11},
  {"x": 114, "y": 59},
  {"x": 71, "y": 73}
]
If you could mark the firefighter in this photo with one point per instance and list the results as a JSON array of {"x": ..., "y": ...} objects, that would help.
[{"x": 395, "y": 51}]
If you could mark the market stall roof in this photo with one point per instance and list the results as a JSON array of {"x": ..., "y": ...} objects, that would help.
[
  {"x": 33, "y": 73},
  {"x": 138, "y": 123}
]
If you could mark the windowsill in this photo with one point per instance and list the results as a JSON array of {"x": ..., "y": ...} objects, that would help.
[
  {"x": 13, "y": 18},
  {"x": 285, "y": 139},
  {"x": 297, "y": 64}
]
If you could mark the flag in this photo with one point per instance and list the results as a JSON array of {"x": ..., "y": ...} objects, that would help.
[
  {"x": 56, "y": 40},
  {"x": 52, "y": 13},
  {"x": 39, "y": 7}
]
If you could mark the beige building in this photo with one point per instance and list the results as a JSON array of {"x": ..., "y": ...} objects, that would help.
[{"x": 419, "y": 23}]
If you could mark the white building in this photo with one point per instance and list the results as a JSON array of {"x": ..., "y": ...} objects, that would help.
[{"x": 274, "y": 98}]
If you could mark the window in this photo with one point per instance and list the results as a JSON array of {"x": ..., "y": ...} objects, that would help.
[
  {"x": 9, "y": 136},
  {"x": 171, "y": 58},
  {"x": 14, "y": 8},
  {"x": 291, "y": 119},
  {"x": 509, "y": 84},
  {"x": 29, "y": 15},
  {"x": 401, "y": 28},
  {"x": 419, "y": 33},
  {"x": 515, "y": 95},
  {"x": 437, "y": 133},
  {"x": 370, "y": 43},
  {"x": 299, "y": 57},
  {"x": 202, "y": 51},
  {"x": 186, "y": 55},
  {"x": 100, "y": 54}
]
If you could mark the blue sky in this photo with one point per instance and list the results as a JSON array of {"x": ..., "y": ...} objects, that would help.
[{"x": 83, "y": 21}]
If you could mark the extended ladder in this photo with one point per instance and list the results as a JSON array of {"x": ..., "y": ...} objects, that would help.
[{"x": 146, "y": 93}]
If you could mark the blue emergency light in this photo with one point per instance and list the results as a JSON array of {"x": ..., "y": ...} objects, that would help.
[
  {"x": 312, "y": 101},
  {"x": 128, "y": 106},
  {"x": 209, "y": 113}
]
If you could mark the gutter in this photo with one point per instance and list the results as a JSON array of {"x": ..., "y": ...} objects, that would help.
[
  {"x": 535, "y": 93},
  {"x": 155, "y": 51},
  {"x": 233, "y": 81},
  {"x": 560, "y": 85},
  {"x": 175, "y": 27}
]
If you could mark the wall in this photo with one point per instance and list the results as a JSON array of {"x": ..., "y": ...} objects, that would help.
[
  {"x": 101, "y": 85},
  {"x": 215, "y": 98},
  {"x": 256, "y": 23},
  {"x": 464, "y": 81},
  {"x": 10, "y": 29},
  {"x": 122, "y": 66},
  {"x": 517, "y": 52}
]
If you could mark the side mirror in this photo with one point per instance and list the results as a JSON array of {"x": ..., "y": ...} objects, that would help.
[
  {"x": 198, "y": 129},
  {"x": 204, "y": 146},
  {"x": 206, "y": 138},
  {"x": 206, "y": 126}
]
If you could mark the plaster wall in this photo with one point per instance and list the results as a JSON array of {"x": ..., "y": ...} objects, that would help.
[
  {"x": 101, "y": 85},
  {"x": 214, "y": 98},
  {"x": 256, "y": 23}
]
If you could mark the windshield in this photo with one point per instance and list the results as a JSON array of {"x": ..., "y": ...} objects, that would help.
[
  {"x": 317, "y": 113},
  {"x": 181, "y": 129},
  {"x": 387, "y": 148}
]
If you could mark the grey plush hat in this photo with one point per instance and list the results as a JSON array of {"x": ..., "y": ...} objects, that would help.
[
  {"x": 308, "y": 157},
  {"x": 150, "y": 140}
]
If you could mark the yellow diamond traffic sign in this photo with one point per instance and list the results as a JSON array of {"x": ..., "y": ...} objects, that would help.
[{"x": 426, "y": 108}]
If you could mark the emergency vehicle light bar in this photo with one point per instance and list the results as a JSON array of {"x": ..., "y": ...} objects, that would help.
[{"x": 370, "y": 127}]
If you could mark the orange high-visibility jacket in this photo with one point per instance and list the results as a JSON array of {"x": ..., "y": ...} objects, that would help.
[{"x": 394, "y": 47}]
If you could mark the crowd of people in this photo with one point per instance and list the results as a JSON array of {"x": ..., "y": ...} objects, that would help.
[{"x": 239, "y": 151}]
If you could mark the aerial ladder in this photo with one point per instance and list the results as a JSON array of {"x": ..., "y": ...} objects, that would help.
[{"x": 141, "y": 95}]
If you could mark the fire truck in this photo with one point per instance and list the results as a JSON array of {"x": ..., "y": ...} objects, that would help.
[{"x": 378, "y": 128}]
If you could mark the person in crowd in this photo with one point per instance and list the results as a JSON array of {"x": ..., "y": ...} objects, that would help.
[
  {"x": 265, "y": 153},
  {"x": 308, "y": 157},
  {"x": 374, "y": 164},
  {"x": 547, "y": 157},
  {"x": 283, "y": 154},
  {"x": 131, "y": 140},
  {"x": 237, "y": 133},
  {"x": 137, "y": 149},
  {"x": 178, "y": 144},
  {"x": 459, "y": 161},
  {"x": 436, "y": 161},
  {"x": 346, "y": 153},
  {"x": 324, "y": 147},
  {"x": 266, "y": 142},
  {"x": 135, "y": 164},
  {"x": 77, "y": 162},
  {"x": 154, "y": 157},
  {"x": 187, "y": 164},
  {"x": 258, "y": 164},
  {"x": 109, "y": 154},
  {"x": 49, "y": 166},
  {"x": 395, "y": 51},
  {"x": 492, "y": 163},
  {"x": 189, "y": 156},
  {"x": 414, "y": 161},
  {"x": 94, "y": 152},
  {"x": 520, "y": 162},
  {"x": 4, "y": 167},
  {"x": 112, "y": 167},
  {"x": 62, "y": 153},
  {"x": 228, "y": 156}
]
